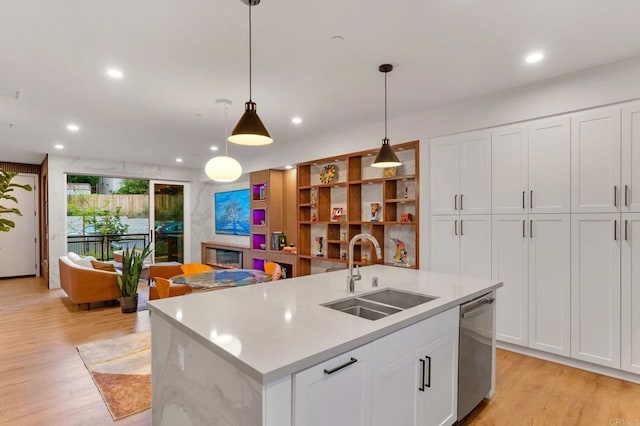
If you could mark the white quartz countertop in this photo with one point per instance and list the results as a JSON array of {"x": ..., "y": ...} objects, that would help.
[{"x": 277, "y": 328}]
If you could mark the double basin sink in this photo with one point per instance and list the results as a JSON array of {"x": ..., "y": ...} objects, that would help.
[{"x": 379, "y": 304}]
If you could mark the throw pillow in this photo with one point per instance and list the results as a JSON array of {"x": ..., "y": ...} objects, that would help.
[{"x": 103, "y": 266}]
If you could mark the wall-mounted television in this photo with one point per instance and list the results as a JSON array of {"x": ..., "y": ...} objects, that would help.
[{"x": 232, "y": 212}]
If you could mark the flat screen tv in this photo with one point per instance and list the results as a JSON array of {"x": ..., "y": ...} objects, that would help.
[{"x": 232, "y": 212}]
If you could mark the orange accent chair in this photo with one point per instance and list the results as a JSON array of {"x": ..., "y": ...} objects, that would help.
[
  {"x": 273, "y": 269},
  {"x": 195, "y": 268},
  {"x": 164, "y": 271},
  {"x": 163, "y": 288}
]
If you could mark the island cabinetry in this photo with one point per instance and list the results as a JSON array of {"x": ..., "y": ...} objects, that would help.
[
  {"x": 342, "y": 196},
  {"x": 406, "y": 378}
]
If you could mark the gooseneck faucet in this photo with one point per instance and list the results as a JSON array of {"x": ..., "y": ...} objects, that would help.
[{"x": 351, "y": 279}]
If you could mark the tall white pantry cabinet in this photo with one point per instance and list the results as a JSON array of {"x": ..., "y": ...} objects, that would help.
[{"x": 560, "y": 229}]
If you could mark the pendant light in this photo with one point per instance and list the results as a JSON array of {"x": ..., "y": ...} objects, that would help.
[
  {"x": 223, "y": 168},
  {"x": 386, "y": 157},
  {"x": 250, "y": 130}
]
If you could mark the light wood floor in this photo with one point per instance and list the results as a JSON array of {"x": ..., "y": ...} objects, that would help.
[{"x": 44, "y": 382}]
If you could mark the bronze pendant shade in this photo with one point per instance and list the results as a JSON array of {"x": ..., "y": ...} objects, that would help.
[{"x": 386, "y": 157}]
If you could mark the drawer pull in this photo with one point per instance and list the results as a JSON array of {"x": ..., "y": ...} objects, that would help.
[{"x": 340, "y": 367}]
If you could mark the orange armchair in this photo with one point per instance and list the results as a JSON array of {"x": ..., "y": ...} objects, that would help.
[
  {"x": 195, "y": 268},
  {"x": 273, "y": 269},
  {"x": 164, "y": 271},
  {"x": 163, "y": 288}
]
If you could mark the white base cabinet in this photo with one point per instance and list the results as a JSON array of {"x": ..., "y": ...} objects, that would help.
[{"x": 408, "y": 378}]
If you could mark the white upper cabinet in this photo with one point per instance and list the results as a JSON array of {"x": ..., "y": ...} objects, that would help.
[
  {"x": 631, "y": 292},
  {"x": 475, "y": 173},
  {"x": 461, "y": 174},
  {"x": 631, "y": 157},
  {"x": 550, "y": 166},
  {"x": 509, "y": 147},
  {"x": 445, "y": 183},
  {"x": 595, "y": 288},
  {"x": 595, "y": 161},
  {"x": 550, "y": 283},
  {"x": 510, "y": 263}
]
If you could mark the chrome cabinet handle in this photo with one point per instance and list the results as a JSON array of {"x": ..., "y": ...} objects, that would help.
[
  {"x": 428, "y": 383},
  {"x": 523, "y": 225},
  {"x": 461, "y": 195},
  {"x": 531, "y": 199},
  {"x": 626, "y": 195},
  {"x": 615, "y": 230},
  {"x": 340, "y": 367},
  {"x": 615, "y": 196},
  {"x": 531, "y": 229},
  {"x": 455, "y": 202},
  {"x": 626, "y": 230},
  {"x": 461, "y": 228},
  {"x": 421, "y": 387},
  {"x": 455, "y": 228},
  {"x": 523, "y": 195}
]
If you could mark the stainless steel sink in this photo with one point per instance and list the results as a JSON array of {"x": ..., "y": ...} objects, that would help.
[
  {"x": 362, "y": 308},
  {"x": 379, "y": 304},
  {"x": 397, "y": 298}
]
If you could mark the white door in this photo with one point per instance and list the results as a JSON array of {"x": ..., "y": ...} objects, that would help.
[
  {"x": 509, "y": 169},
  {"x": 631, "y": 157},
  {"x": 550, "y": 166},
  {"x": 445, "y": 183},
  {"x": 595, "y": 288},
  {"x": 475, "y": 245},
  {"x": 19, "y": 246},
  {"x": 595, "y": 161},
  {"x": 440, "y": 399},
  {"x": 445, "y": 244},
  {"x": 475, "y": 173},
  {"x": 169, "y": 221},
  {"x": 334, "y": 392},
  {"x": 631, "y": 292},
  {"x": 510, "y": 261},
  {"x": 550, "y": 283}
]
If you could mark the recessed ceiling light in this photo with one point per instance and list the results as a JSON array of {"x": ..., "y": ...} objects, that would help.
[
  {"x": 73, "y": 127},
  {"x": 534, "y": 57},
  {"x": 178, "y": 160},
  {"x": 337, "y": 38},
  {"x": 296, "y": 120},
  {"x": 58, "y": 146},
  {"x": 115, "y": 73},
  {"x": 214, "y": 148},
  {"x": 288, "y": 167}
]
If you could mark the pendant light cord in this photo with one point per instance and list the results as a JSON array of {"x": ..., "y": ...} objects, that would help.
[
  {"x": 226, "y": 142},
  {"x": 250, "y": 5},
  {"x": 385, "y": 105}
]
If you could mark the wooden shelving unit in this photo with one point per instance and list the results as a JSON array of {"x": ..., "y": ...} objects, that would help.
[{"x": 354, "y": 188}]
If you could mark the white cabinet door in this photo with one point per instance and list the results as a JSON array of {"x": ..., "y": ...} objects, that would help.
[
  {"x": 475, "y": 173},
  {"x": 595, "y": 161},
  {"x": 550, "y": 283},
  {"x": 631, "y": 292},
  {"x": 445, "y": 184},
  {"x": 439, "y": 405},
  {"x": 509, "y": 154},
  {"x": 445, "y": 244},
  {"x": 334, "y": 392},
  {"x": 510, "y": 261},
  {"x": 475, "y": 245},
  {"x": 595, "y": 288},
  {"x": 631, "y": 157},
  {"x": 550, "y": 166}
]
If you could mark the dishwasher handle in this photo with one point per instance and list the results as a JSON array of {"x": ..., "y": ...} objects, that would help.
[{"x": 477, "y": 307}]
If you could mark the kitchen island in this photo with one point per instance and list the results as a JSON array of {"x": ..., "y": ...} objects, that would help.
[{"x": 272, "y": 354}]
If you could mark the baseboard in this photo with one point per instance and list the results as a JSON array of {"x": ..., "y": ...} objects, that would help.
[{"x": 582, "y": 365}]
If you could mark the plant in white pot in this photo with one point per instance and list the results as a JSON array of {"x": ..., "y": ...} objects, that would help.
[{"x": 132, "y": 263}]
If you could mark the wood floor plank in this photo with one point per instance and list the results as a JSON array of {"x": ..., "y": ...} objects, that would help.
[{"x": 44, "y": 382}]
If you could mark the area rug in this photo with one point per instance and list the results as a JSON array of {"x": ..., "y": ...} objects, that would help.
[{"x": 121, "y": 369}]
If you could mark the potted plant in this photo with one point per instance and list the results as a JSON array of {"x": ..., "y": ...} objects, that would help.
[
  {"x": 6, "y": 187},
  {"x": 132, "y": 262}
]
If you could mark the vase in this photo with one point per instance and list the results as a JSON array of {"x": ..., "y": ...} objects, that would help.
[{"x": 129, "y": 304}]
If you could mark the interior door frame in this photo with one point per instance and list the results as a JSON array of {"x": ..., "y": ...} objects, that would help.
[{"x": 186, "y": 208}]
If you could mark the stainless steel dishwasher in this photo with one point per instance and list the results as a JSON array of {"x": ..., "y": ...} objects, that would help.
[{"x": 475, "y": 352}]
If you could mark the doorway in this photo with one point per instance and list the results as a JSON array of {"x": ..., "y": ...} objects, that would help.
[{"x": 169, "y": 233}]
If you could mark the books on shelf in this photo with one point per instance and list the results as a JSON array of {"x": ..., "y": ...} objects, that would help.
[{"x": 278, "y": 240}]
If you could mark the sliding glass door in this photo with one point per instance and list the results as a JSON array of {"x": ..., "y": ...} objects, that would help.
[{"x": 168, "y": 221}]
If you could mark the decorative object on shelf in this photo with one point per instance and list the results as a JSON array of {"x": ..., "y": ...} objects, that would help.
[
  {"x": 343, "y": 236},
  {"x": 343, "y": 255},
  {"x": 386, "y": 157},
  {"x": 314, "y": 218},
  {"x": 278, "y": 241},
  {"x": 328, "y": 173},
  {"x": 406, "y": 218},
  {"x": 263, "y": 246},
  {"x": 250, "y": 130},
  {"x": 375, "y": 212},
  {"x": 389, "y": 172},
  {"x": 401, "y": 253},
  {"x": 263, "y": 192},
  {"x": 313, "y": 198},
  {"x": 223, "y": 168},
  {"x": 364, "y": 257},
  {"x": 319, "y": 246},
  {"x": 406, "y": 192},
  {"x": 336, "y": 214}
]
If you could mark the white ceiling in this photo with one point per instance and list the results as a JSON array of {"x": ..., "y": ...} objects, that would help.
[{"x": 179, "y": 56}]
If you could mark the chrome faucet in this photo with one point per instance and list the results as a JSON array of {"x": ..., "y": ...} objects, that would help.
[{"x": 351, "y": 279}]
